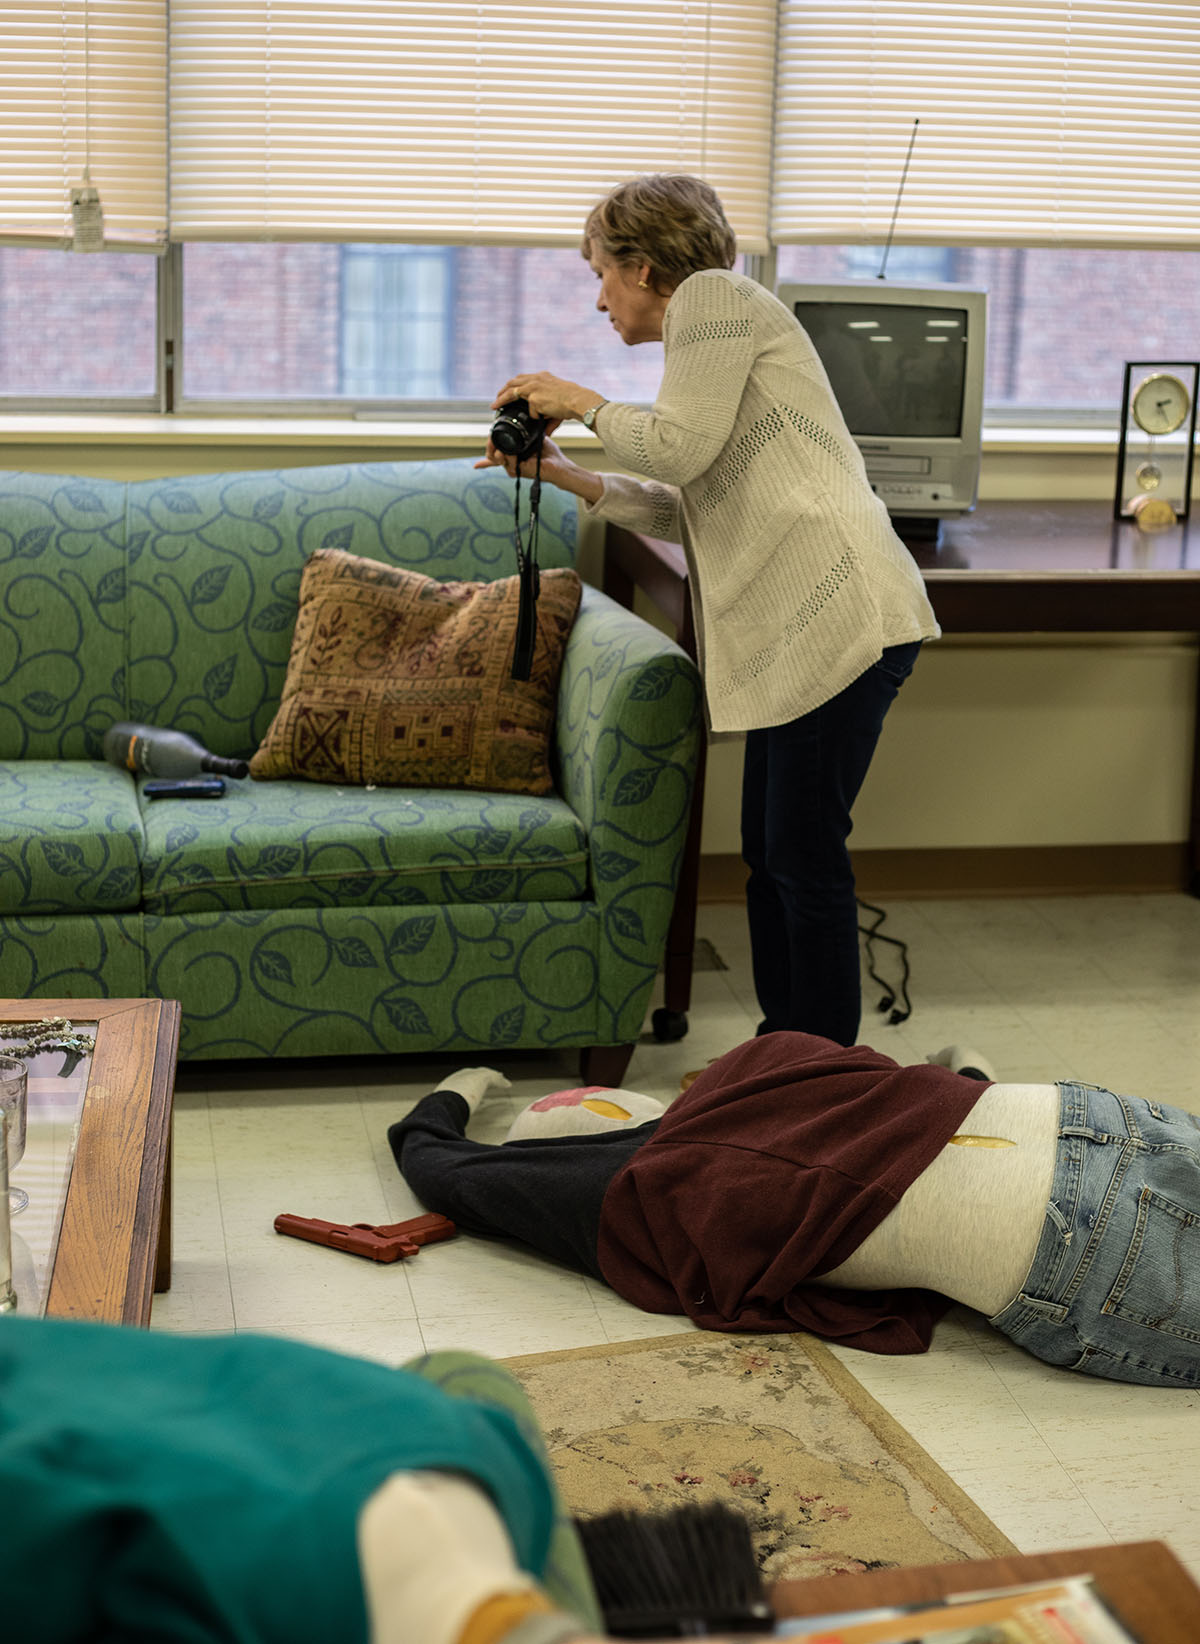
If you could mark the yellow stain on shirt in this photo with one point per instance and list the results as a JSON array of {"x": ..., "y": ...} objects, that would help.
[
  {"x": 981, "y": 1141},
  {"x": 606, "y": 1110}
]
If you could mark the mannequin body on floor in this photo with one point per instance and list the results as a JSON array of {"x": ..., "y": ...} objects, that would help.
[
  {"x": 800, "y": 1185},
  {"x": 968, "y": 1227}
]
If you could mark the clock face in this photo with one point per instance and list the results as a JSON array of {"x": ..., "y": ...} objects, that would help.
[{"x": 1159, "y": 403}]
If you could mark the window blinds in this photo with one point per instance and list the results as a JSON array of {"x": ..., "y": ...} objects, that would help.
[
  {"x": 449, "y": 120},
  {"x": 83, "y": 83},
  {"x": 1042, "y": 122},
  {"x": 1048, "y": 122}
]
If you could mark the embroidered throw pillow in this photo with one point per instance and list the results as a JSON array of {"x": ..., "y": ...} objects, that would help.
[{"x": 400, "y": 680}]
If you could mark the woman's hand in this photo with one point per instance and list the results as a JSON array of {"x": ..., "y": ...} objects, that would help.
[
  {"x": 552, "y": 460},
  {"x": 557, "y": 469},
  {"x": 548, "y": 396}
]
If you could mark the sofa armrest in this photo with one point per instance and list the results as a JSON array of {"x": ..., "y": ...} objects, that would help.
[{"x": 627, "y": 738}]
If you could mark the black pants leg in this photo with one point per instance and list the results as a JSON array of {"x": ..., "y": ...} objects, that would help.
[
  {"x": 801, "y": 780},
  {"x": 546, "y": 1192}
]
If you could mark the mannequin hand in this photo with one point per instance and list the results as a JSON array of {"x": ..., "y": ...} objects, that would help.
[{"x": 473, "y": 1084}]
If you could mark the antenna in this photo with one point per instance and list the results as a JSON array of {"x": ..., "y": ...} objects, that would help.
[{"x": 882, "y": 275}]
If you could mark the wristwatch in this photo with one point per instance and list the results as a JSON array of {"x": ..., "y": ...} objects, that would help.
[{"x": 589, "y": 416}]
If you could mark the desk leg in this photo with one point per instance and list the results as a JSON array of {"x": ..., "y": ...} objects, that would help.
[{"x": 617, "y": 583}]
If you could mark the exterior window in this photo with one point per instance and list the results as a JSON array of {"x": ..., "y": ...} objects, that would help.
[
  {"x": 77, "y": 327},
  {"x": 261, "y": 322},
  {"x": 396, "y": 307},
  {"x": 273, "y": 322},
  {"x": 292, "y": 325},
  {"x": 1060, "y": 323},
  {"x": 904, "y": 262}
]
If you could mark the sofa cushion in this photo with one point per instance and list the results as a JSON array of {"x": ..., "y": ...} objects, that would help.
[
  {"x": 70, "y": 837},
  {"x": 398, "y": 679},
  {"x": 299, "y": 844}
]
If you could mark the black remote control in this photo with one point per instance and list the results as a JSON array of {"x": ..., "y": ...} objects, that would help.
[{"x": 184, "y": 787}]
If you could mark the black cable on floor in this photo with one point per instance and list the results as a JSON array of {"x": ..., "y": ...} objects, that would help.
[{"x": 902, "y": 1011}]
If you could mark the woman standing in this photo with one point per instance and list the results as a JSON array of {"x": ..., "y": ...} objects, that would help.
[{"x": 809, "y": 610}]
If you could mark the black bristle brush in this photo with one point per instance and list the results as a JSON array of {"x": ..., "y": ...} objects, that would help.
[{"x": 684, "y": 1572}]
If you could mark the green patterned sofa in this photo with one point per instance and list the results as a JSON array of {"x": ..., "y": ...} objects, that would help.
[{"x": 293, "y": 918}]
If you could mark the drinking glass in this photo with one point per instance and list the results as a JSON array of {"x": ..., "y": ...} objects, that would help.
[{"x": 14, "y": 1085}]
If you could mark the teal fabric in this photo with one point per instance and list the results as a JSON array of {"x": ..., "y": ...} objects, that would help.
[
  {"x": 167, "y": 1487},
  {"x": 301, "y": 844},
  {"x": 300, "y": 919},
  {"x": 70, "y": 837},
  {"x": 567, "y": 1579}
]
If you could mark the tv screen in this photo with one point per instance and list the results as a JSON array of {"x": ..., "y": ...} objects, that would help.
[{"x": 896, "y": 372}]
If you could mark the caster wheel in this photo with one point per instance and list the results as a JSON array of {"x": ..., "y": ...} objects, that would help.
[{"x": 668, "y": 1025}]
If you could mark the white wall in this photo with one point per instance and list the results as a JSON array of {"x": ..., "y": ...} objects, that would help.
[{"x": 1003, "y": 742}]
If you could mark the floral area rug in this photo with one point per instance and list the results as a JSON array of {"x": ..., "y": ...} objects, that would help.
[{"x": 829, "y": 1482}]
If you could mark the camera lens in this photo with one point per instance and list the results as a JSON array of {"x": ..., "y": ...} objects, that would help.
[{"x": 516, "y": 431}]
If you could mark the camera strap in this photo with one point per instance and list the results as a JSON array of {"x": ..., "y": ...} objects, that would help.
[{"x": 527, "y": 571}]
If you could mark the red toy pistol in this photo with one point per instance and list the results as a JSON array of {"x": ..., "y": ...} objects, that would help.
[{"x": 381, "y": 1244}]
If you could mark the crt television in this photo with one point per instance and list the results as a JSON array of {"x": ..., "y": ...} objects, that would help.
[{"x": 906, "y": 363}]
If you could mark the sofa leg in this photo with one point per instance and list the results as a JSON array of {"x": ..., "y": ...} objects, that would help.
[{"x": 604, "y": 1064}]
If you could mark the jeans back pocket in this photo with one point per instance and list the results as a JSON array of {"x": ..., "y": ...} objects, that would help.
[{"x": 1158, "y": 1286}]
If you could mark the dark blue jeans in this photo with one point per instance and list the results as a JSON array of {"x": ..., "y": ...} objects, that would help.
[{"x": 801, "y": 780}]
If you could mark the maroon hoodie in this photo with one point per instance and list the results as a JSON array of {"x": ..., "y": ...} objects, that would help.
[{"x": 771, "y": 1169}]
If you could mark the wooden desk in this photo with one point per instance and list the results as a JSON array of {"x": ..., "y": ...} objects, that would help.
[
  {"x": 1011, "y": 567},
  {"x": 1066, "y": 567},
  {"x": 1143, "y": 1582}
]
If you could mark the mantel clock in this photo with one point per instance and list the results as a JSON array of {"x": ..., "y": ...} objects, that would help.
[{"x": 1157, "y": 444}]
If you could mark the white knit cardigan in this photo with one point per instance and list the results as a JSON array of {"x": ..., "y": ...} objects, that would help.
[{"x": 797, "y": 579}]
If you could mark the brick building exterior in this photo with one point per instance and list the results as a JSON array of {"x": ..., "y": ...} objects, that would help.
[{"x": 325, "y": 322}]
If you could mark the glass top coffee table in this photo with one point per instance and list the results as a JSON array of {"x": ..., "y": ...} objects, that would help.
[{"x": 95, "y": 1239}]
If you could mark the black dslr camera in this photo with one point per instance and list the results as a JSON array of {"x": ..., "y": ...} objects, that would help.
[{"x": 516, "y": 431}]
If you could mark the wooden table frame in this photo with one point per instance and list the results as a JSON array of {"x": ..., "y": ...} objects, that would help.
[
  {"x": 1014, "y": 568},
  {"x": 114, "y": 1248},
  {"x": 1142, "y": 1581}
]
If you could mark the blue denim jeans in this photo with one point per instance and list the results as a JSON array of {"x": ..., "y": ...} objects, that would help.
[
  {"x": 799, "y": 784},
  {"x": 1114, "y": 1289}
]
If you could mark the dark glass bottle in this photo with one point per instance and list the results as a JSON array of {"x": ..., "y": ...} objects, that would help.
[{"x": 149, "y": 750}]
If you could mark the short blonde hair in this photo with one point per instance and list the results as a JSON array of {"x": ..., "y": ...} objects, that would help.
[{"x": 676, "y": 224}]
